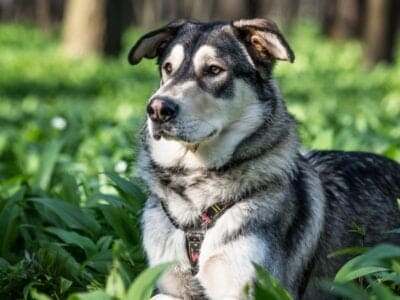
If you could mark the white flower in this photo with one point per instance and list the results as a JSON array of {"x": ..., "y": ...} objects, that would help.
[
  {"x": 58, "y": 123},
  {"x": 121, "y": 166}
]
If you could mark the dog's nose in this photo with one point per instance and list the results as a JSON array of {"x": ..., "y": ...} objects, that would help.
[{"x": 162, "y": 110}]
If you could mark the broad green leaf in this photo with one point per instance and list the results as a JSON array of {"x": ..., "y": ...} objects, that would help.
[
  {"x": 395, "y": 265},
  {"x": 390, "y": 277},
  {"x": 357, "y": 273},
  {"x": 73, "y": 238},
  {"x": 47, "y": 163},
  {"x": 113, "y": 200},
  {"x": 104, "y": 242},
  {"x": 95, "y": 295},
  {"x": 71, "y": 215},
  {"x": 11, "y": 186},
  {"x": 136, "y": 197},
  {"x": 347, "y": 290},
  {"x": 123, "y": 223},
  {"x": 372, "y": 261},
  {"x": 347, "y": 251},
  {"x": 65, "y": 284},
  {"x": 39, "y": 296},
  {"x": 382, "y": 252},
  {"x": 100, "y": 261},
  {"x": 4, "y": 264},
  {"x": 115, "y": 286},
  {"x": 261, "y": 293},
  {"x": 269, "y": 287},
  {"x": 142, "y": 287},
  {"x": 9, "y": 220},
  {"x": 383, "y": 292},
  {"x": 348, "y": 267},
  {"x": 60, "y": 261},
  {"x": 70, "y": 190}
]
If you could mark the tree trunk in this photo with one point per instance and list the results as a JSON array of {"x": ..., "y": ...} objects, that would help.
[
  {"x": 43, "y": 14},
  {"x": 84, "y": 27},
  {"x": 349, "y": 19},
  {"x": 115, "y": 25},
  {"x": 152, "y": 11},
  {"x": 380, "y": 32},
  {"x": 93, "y": 27},
  {"x": 254, "y": 9},
  {"x": 24, "y": 10},
  {"x": 328, "y": 15},
  {"x": 232, "y": 9},
  {"x": 202, "y": 9},
  {"x": 287, "y": 11}
]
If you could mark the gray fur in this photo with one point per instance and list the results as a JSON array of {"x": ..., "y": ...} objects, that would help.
[{"x": 292, "y": 209}]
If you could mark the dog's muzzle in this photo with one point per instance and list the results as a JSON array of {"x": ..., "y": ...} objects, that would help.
[{"x": 162, "y": 109}]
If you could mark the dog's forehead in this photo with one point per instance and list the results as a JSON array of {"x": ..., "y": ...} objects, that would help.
[
  {"x": 198, "y": 46},
  {"x": 215, "y": 38}
]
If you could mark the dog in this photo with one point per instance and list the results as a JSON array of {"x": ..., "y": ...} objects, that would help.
[{"x": 229, "y": 185}]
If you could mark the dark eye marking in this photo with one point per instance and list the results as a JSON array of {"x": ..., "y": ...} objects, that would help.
[
  {"x": 213, "y": 70},
  {"x": 167, "y": 68}
]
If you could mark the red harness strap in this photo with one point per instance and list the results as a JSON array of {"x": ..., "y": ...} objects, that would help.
[{"x": 195, "y": 234}]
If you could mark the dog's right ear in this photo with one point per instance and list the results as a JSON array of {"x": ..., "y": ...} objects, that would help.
[
  {"x": 263, "y": 40},
  {"x": 151, "y": 44}
]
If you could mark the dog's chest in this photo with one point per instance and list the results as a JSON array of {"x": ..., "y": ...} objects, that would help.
[{"x": 198, "y": 188}]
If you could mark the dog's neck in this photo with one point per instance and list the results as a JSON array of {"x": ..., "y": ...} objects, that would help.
[{"x": 189, "y": 191}]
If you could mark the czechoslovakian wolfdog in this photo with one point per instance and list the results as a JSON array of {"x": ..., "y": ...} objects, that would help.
[{"x": 228, "y": 183}]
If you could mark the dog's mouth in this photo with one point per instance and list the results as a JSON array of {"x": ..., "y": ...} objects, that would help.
[{"x": 160, "y": 131}]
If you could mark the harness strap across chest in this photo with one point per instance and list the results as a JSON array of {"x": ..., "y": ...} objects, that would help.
[{"x": 195, "y": 233}]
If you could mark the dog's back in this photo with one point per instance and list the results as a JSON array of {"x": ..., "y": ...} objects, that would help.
[{"x": 362, "y": 193}]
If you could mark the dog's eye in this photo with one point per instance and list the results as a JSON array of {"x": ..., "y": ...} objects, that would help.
[
  {"x": 213, "y": 70},
  {"x": 168, "y": 68}
]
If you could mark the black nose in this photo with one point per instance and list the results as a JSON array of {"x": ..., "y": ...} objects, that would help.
[{"x": 162, "y": 110}]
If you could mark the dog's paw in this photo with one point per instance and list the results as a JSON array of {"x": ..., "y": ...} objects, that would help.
[{"x": 164, "y": 297}]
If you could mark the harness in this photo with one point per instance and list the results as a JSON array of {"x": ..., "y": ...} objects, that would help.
[{"x": 195, "y": 233}]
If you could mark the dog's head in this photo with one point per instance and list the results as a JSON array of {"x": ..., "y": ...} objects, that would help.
[{"x": 213, "y": 77}]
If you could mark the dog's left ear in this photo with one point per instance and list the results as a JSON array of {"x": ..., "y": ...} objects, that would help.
[
  {"x": 151, "y": 44},
  {"x": 263, "y": 39}
]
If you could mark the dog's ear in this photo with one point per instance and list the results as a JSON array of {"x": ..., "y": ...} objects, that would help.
[
  {"x": 152, "y": 43},
  {"x": 263, "y": 39}
]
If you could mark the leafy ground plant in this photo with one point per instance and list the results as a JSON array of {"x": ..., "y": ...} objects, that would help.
[
  {"x": 374, "y": 274},
  {"x": 55, "y": 246},
  {"x": 266, "y": 286},
  {"x": 141, "y": 289}
]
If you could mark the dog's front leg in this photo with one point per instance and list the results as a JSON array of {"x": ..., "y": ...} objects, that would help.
[
  {"x": 224, "y": 273},
  {"x": 220, "y": 281}
]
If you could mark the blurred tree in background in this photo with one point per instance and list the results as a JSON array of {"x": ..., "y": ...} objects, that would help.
[
  {"x": 96, "y": 26},
  {"x": 380, "y": 31},
  {"x": 345, "y": 18}
]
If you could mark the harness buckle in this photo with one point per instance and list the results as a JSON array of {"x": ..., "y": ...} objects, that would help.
[{"x": 194, "y": 239}]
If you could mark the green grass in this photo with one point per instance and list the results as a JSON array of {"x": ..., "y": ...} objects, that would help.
[{"x": 69, "y": 207}]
